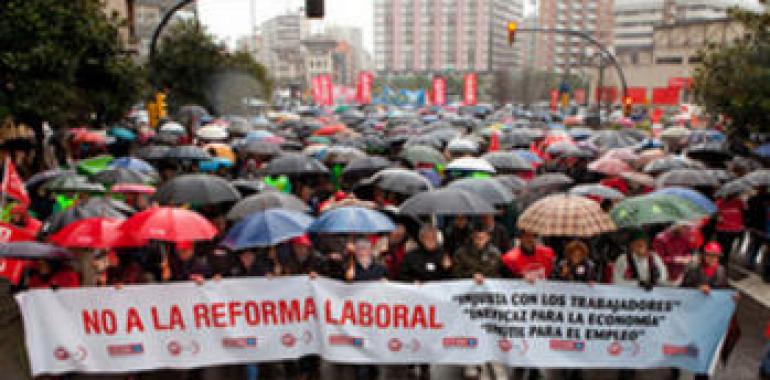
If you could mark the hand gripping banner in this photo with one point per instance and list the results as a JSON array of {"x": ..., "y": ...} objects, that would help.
[{"x": 549, "y": 324}]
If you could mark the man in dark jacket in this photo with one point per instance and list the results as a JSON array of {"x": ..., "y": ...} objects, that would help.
[{"x": 479, "y": 256}]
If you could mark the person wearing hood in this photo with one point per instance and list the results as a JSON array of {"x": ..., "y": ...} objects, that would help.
[{"x": 640, "y": 266}]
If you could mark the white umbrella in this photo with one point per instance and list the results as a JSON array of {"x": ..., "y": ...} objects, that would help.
[
  {"x": 471, "y": 164},
  {"x": 463, "y": 146},
  {"x": 172, "y": 128},
  {"x": 675, "y": 132},
  {"x": 212, "y": 132}
]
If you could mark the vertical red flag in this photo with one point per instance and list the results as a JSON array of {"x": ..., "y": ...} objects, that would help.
[
  {"x": 580, "y": 96},
  {"x": 316, "y": 90},
  {"x": 12, "y": 183},
  {"x": 665, "y": 96},
  {"x": 554, "y": 100},
  {"x": 328, "y": 88},
  {"x": 365, "y": 78},
  {"x": 470, "y": 87},
  {"x": 439, "y": 90},
  {"x": 638, "y": 95}
]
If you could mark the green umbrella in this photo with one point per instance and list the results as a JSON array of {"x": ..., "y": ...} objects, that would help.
[
  {"x": 319, "y": 140},
  {"x": 421, "y": 154},
  {"x": 341, "y": 109},
  {"x": 654, "y": 209},
  {"x": 94, "y": 165}
]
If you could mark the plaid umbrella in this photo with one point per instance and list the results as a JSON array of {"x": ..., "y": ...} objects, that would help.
[
  {"x": 565, "y": 215},
  {"x": 688, "y": 178},
  {"x": 609, "y": 166}
]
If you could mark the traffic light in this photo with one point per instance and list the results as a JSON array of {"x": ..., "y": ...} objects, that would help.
[
  {"x": 628, "y": 105},
  {"x": 160, "y": 105},
  {"x": 314, "y": 8},
  {"x": 512, "y": 26}
]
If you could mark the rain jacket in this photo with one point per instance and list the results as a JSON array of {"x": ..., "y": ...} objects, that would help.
[
  {"x": 469, "y": 260},
  {"x": 423, "y": 266},
  {"x": 540, "y": 262}
]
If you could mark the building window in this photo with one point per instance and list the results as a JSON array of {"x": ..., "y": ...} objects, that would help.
[
  {"x": 669, "y": 61},
  {"x": 695, "y": 59}
]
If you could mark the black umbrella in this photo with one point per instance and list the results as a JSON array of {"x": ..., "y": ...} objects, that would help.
[
  {"x": 47, "y": 176},
  {"x": 716, "y": 152},
  {"x": 517, "y": 138},
  {"x": 365, "y": 166},
  {"x": 759, "y": 177},
  {"x": 261, "y": 148},
  {"x": 30, "y": 250},
  {"x": 187, "y": 152},
  {"x": 722, "y": 175},
  {"x": 446, "y": 202},
  {"x": 250, "y": 186},
  {"x": 400, "y": 181},
  {"x": 110, "y": 177},
  {"x": 609, "y": 139},
  {"x": 73, "y": 183},
  {"x": 337, "y": 154},
  {"x": 544, "y": 185},
  {"x": 488, "y": 189},
  {"x": 265, "y": 201},
  {"x": 506, "y": 161},
  {"x": 99, "y": 207},
  {"x": 734, "y": 187},
  {"x": 152, "y": 152},
  {"x": 688, "y": 178},
  {"x": 196, "y": 189},
  {"x": 512, "y": 182},
  {"x": 238, "y": 126},
  {"x": 664, "y": 164},
  {"x": 426, "y": 140},
  {"x": 295, "y": 164}
]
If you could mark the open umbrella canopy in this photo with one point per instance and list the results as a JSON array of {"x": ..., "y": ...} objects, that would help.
[
  {"x": 196, "y": 189},
  {"x": 463, "y": 145},
  {"x": 187, "y": 152},
  {"x": 709, "y": 152},
  {"x": 688, "y": 178},
  {"x": 339, "y": 154},
  {"x": 665, "y": 164},
  {"x": 295, "y": 164},
  {"x": 447, "y": 202},
  {"x": 152, "y": 152},
  {"x": 366, "y": 166},
  {"x": 332, "y": 129},
  {"x": 735, "y": 187},
  {"x": 565, "y": 215},
  {"x": 654, "y": 209},
  {"x": 265, "y": 201},
  {"x": 167, "y": 224},
  {"x": 691, "y": 195},
  {"x": 94, "y": 207},
  {"x": 401, "y": 181},
  {"x": 29, "y": 250},
  {"x": 759, "y": 177},
  {"x": 261, "y": 148},
  {"x": 470, "y": 164},
  {"x": 625, "y": 154},
  {"x": 609, "y": 166},
  {"x": 94, "y": 233},
  {"x": 133, "y": 163},
  {"x": 507, "y": 161},
  {"x": 549, "y": 180},
  {"x": 488, "y": 189},
  {"x": 529, "y": 156},
  {"x": 597, "y": 190},
  {"x": 675, "y": 133},
  {"x": 212, "y": 132},
  {"x": 512, "y": 182},
  {"x": 132, "y": 188},
  {"x": 110, "y": 177},
  {"x": 94, "y": 165},
  {"x": 266, "y": 228},
  {"x": 352, "y": 220},
  {"x": 609, "y": 139},
  {"x": 421, "y": 154}
]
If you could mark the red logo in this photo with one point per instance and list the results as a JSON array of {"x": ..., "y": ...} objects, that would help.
[
  {"x": 345, "y": 340},
  {"x": 505, "y": 345},
  {"x": 674, "y": 350},
  {"x": 615, "y": 349},
  {"x": 288, "y": 340},
  {"x": 460, "y": 342},
  {"x": 243, "y": 342},
  {"x": 174, "y": 348},
  {"x": 61, "y": 353},
  {"x": 567, "y": 345},
  {"x": 125, "y": 349},
  {"x": 395, "y": 345}
]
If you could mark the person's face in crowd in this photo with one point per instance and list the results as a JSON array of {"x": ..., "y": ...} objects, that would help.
[
  {"x": 185, "y": 254},
  {"x": 429, "y": 240},
  {"x": 639, "y": 248},
  {"x": 220, "y": 223},
  {"x": 247, "y": 258},
  {"x": 488, "y": 220},
  {"x": 301, "y": 251},
  {"x": 679, "y": 230},
  {"x": 461, "y": 221},
  {"x": 363, "y": 251},
  {"x": 480, "y": 239},
  {"x": 575, "y": 255},
  {"x": 142, "y": 202},
  {"x": 398, "y": 234},
  {"x": 710, "y": 259},
  {"x": 527, "y": 240},
  {"x": 100, "y": 263},
  {"x": 305, "y": 192}
]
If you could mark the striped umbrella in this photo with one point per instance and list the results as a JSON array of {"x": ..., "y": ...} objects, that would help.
[{"x": 566, "y": 215}]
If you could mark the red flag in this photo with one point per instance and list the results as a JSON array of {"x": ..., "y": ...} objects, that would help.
[
  {"x": 470, "y": 87},
  {"x": 638, "y": 95},
  {"x": 554, "y": 100},
  {"x": 665, "y": 95},
  {"x": 12, "y": 183},
  {"x": 439, "y": 90},
  {"x": 580, "y": 96}
]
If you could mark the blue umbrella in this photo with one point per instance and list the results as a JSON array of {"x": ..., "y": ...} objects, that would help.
[
  {"x": 345, "y": 220},
  {"x": 763, "y": 150},
  {"x": 122, "y": 134},
  {"x": 267, "y": 228},
  {"x": 691, "y": 195},
  {"x": 528, "y": 156},
  {"x": 132, "y": 163},
  {"x": 214, "y": 164},
  {"x": 649, "y": 144},
  {"x": 30, "y": 250},
  {"x": 258, "y": 135}
]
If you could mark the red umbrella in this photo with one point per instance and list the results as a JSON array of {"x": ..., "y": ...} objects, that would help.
[
  {"x": 609, "y": 166},
  {"x": 82, "y": 135},
  {"x": 10, "y": 233},
  {"x": 168, "y": 224},
  {"x": 96, "y": 233},
  {"x": 132, "y": 188},
  {"x": 333, "y": 129}
]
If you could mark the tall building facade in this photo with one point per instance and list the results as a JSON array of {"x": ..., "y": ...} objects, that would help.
[
  {"x": 559, "y": 52},
  {"x": 432, "y": 36},
  {"x": 635, "y": 19},
  {"x": 281, "y": 49}
]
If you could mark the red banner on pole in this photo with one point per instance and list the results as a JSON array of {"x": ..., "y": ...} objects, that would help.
[
  {"x": 328, "y": 87},
  {"x": 665, "y": 96},
  {"x": 470, "y": 86},
  {"x": 680, "y": 82},
  {"x": 364, "y": 87},
  {"x": 607, "y": 94},
  {"x": 579, "y": 96},
  {"x": 638, "y": 95},
  {"x": 554, "y": 100},
  {"x": 439, "y": 91}
]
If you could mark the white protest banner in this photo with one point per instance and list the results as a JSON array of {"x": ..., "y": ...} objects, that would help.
[{"x": 549, "y": 324}]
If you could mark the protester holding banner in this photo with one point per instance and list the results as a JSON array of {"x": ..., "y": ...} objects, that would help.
[
  {"x": 428, "y": 262},
  {"x": 529, "y": 260},
  {"x": 640, "y": 266},
  {"x": 576, "y": 266}
]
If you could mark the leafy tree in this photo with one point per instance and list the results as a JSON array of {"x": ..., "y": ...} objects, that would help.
[
  {"x": 734, "y": 79},
  {"x": 63, "y": 62},
  {"x": 196, "y": 69}
]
